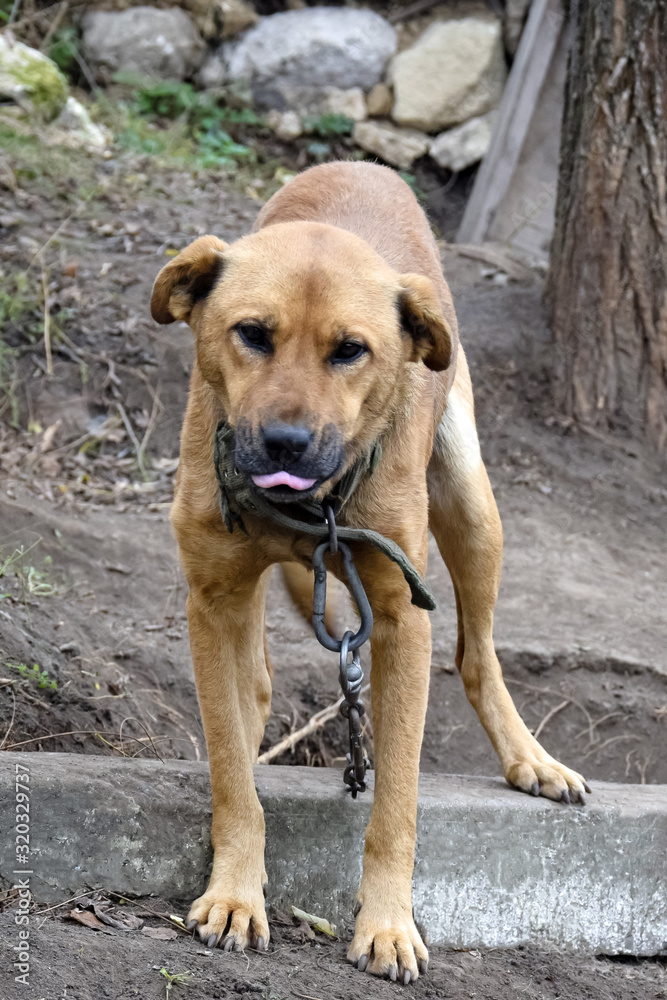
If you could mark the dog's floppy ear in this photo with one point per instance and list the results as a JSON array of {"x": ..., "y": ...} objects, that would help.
[
  {"x": 187, "y": 279},
  {"x": 421, "y": 317}
]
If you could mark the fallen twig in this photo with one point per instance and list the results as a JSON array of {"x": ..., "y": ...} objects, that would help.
[
  {"x": 51, "y": 238},
  {"x": 81, "y": 732},
  {"x": 606, "y": 439},
  {"x": 546, "y": 690},
  {"x": 135, "y": 440},
  {"x": 55, "y": 24},
  {"x": 314, "y": 723},
  {"x": 549, "y": 716},
  {"x": 603, "y": 718},
  {"x": 56, "y": 906},
  {"x": 131, "y": 718},
  {"x": 613, "y": 739},
  {"x": 47, "y": 321},
  {"x": 11, "y": 721},
  {"x": 150, "y": 427}
]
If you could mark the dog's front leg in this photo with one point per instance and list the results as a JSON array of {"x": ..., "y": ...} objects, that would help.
[
  {"x": 234, "y": 690},
  {"x": 386, "y": 941}
]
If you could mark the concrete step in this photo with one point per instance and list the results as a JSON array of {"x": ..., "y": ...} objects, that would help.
[{"x": 494, "y": 868}]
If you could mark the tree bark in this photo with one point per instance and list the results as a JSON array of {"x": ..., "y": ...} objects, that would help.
[{"x": 607, "y": 285}]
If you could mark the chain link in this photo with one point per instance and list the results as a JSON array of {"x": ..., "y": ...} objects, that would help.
[
  {"x": 351, "y": 675},
  {"x": 352, "y": 709}
]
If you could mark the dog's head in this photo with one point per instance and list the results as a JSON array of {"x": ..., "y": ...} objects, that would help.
[{"x": 303, "y": 332}]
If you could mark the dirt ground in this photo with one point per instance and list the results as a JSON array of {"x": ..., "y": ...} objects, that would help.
[
  {"x": 112, "y": 965},
  {"x": 92, "y": 594}
]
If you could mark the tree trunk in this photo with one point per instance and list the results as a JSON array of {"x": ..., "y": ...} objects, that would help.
[{"x": 607, "y": 285}]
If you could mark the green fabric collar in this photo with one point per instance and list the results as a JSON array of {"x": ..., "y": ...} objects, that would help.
[{"x": 238, "y": 494}]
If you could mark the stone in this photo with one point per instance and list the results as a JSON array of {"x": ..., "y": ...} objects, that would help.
[
  {"x": 465, "y": 144},
  {"x": 287, "y": 125},
  {"x": 379, "y": 101},
  {"x": 79, "y": 129},
  {"x": 31, "y": 80},
  {"x": 218, "y": 20},
  {"x": 214, "y": 73},
  {"x": 145, "y": 40},
  {"x": 399, "y": 147},
  {"x": 493, "y": 869},
  {"x": 350, "y": 103},
  {"x": 455, "y": 71},
  {"x": 292, "y": 57}
]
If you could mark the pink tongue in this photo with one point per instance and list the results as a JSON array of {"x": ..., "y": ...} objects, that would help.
[{"x": 283, "y": 479}]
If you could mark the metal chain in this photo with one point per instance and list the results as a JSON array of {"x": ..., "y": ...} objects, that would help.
[
  {"x": 352, "y": 709},
  {"x": 351, "y": 675}
]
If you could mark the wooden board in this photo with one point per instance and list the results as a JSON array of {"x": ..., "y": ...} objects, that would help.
[{"x": 513, "y": 198}]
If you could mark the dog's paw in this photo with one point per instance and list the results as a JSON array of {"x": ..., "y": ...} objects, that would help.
[
  {"x": 230, "y": 920},
  {"x": 388, "y": 944},
  {"x": 546, "y": 776}
]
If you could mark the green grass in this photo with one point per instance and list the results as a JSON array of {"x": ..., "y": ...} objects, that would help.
[
  {"x": 33, "y": 581},
  {"x": 174, "y": 979},
  {"x": 172, "y": 119},
  {"x": 35, "y": 675},
  {"x": 328, "y": 126}
]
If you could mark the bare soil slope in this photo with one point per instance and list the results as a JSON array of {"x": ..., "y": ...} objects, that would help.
[{"x": 93, "y": 595}]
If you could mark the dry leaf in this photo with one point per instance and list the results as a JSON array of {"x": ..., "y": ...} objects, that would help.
[
  {"x": 124, "y": 922},
  {"x": 86, "y": 918},
  {"x": 306, "y": 931},
  {"x": 131, "y": 922},
  {"x": 160, "y": 933},
  {"x": 319, "y": 923}
]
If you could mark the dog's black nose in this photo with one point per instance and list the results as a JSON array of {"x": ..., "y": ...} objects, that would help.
[{"x": 285, "y": 443}]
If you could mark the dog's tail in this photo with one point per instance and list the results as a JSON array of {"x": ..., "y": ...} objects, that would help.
[{"x": 299, "y": 583}]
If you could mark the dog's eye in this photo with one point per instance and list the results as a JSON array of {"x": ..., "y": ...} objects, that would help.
[
  {"x": 255, "y": 336},
  {"x": 348, "y": 351}
]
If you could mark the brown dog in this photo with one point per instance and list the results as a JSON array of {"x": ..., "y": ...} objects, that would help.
[{"x": 327, "y": 329}]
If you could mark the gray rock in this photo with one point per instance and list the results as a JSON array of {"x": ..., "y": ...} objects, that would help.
[
  {"x": 221, "y": 19},
  {"x": 350, "y": 103},
  {"x": 398, "y": 146},
  {"x": 214, "y": 73},
  {"x": 145, "y": 40},
  {"x": 286, "y": 124},
  {"x": 464, "y": 145},
  {"x": 379, "y": 101},
  {"x": 291, "y": 57},
  {"x": 455, "y": 71},
  {"x": 31, "y": 80},
  {"x": 79, "y": 130}
]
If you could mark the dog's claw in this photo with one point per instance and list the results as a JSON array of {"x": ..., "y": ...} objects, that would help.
[
  {"x": 357, "y": 907},
  {"x": 229, "y": 944},
  {"x": 588, "y": 788},
  {"x": 261, "y": 944},
  {"x": 212, "y": 941},
  {"x": 535, "y": 789},
  {"x": 422, "y": 965},
  {"x": 392, "y": 973},
  {"x": 565, "y": 797},
  {"x": 406, "y": 977},
  {"x": 362, "y": 963},
  {"x": 191, "y": 924}
]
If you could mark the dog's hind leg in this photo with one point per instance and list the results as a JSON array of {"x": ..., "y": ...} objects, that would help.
[{"x": 464, "y": 520}]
